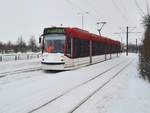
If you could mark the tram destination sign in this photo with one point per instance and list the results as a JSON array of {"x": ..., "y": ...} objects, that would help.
[{"x": 54, "y": 31}]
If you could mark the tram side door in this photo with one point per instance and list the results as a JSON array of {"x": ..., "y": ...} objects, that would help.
[{"x": 69, "y": 62}]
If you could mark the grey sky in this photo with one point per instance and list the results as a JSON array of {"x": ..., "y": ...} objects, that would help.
[{"x": 29, "y": 17}]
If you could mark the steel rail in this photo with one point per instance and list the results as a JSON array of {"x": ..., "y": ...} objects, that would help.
[
  {"x": 4, "y": 74},
  {"x": 66, "y": 92},
  {"x": 98, "y": 89}
]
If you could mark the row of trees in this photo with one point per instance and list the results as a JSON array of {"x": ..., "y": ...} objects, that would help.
[
  {"x": 145, "y": 50},
  {"x": 19, "y": 46}
]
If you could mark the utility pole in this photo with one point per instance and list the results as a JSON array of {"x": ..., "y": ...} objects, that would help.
[
  {"x": 127, "y": 41},
  {"x": 136, "y": 46},
  {"x": 82, "y": 18},
  {"x": 82, "y": 21},
  {"x": 127, "y": 33}
]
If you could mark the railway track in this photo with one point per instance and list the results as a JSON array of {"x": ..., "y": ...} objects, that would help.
[
  {"x": 79, "y": 85},
  {"x": 4, "y": 74},
  {"x": 98, "y": 89}
]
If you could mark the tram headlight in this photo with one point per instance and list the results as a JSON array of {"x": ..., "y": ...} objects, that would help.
[{"x": 62, "y": 58}]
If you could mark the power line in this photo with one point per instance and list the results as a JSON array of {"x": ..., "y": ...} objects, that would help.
[
  {"x": 126, "y": 11},
  {"x": 140, "y": 9},
  {"x": 93, "y": 7},
  {"x": 147, "y": 6},
  {"x": 119, "y": 10},
  {"x": 81, "y": 9},
  {"x": 75, "y": 5}
]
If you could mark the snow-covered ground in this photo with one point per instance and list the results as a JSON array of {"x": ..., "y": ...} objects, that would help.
[
  {"x": 19, "y": 56},
  {"x": 70, "y": 91},
  {"x": 19, "y": 65}
]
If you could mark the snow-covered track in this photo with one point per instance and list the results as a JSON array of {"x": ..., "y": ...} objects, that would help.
[
  {"x": 98, "y": 89},
  {"x": 79, "y": 85},
  {"x": 4, "y": 74}
]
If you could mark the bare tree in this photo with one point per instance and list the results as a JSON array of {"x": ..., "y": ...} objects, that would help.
[
  {"x": 9, "y": 45},
  {"x": 32, "y": 44},
  {"x": 21, "y": 45},
  {"x": 145, "y": 50},
  {"x": 1, "y": 47},
  {"x": 132, "y": 48},
  {"x": 146, "y": 41}
]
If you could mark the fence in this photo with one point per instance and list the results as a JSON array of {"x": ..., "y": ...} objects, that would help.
[{"x": 23, "y": 56}]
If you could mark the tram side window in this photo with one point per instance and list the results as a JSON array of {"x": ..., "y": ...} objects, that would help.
[
  {"x": 84, "y": 48},
  {"x": 113, "y": 49},
  {"x": 68, "y": 52},
  {"x": 93, "y": 48},
  {"x": 81, "y": 48},
  {"x": 98, "y": 48},
  {"x": 95, "y": 51},
  {"x": 118, "y": 48},
  {"x": 102, "y": 48},
  {"x": 108, "y": 49},
  {"x": 76, "y": 48}
]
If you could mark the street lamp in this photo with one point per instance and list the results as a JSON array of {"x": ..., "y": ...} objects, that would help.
[
  {"x": 82, "y": 17},
  {"x": 100, "y": 25}
]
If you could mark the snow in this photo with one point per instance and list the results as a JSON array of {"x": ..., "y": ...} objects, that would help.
[
  {"x": 19, "y": 65},
  {"x": 137, "y": 96},
  {"x": 126, "y": 93},
  {"x": 19, "y": 56}
]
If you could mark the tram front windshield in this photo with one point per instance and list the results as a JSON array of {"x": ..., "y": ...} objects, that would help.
[{"x": 54, "y": 43}]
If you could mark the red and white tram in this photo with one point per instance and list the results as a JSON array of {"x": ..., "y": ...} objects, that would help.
[{"x": 70, "y": 48}]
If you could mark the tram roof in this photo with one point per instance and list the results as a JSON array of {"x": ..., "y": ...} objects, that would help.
[
  {"x": 85, "y": 35},
  {"x": 82, "y": 34}
]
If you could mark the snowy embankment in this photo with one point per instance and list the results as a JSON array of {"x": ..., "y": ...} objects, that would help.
[
  {"x": 64, "y": 91},
  {"x": 19, "y": 56},
  {"x": 19, "y": 65},
  {"x": 127, "y": 93}
]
